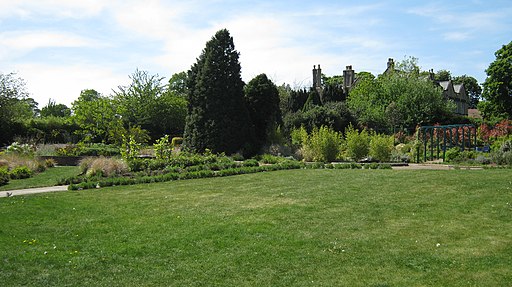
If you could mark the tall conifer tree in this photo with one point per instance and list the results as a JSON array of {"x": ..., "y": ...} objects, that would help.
[{"x": 217, "y": 117}]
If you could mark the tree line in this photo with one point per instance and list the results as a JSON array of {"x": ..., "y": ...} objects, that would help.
[{"x": 213, "y": 109}]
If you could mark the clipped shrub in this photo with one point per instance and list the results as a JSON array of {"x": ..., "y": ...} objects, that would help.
[
  {"x": 381, "y": 147},
  {"x": 21, "y": 172},
  {"x": 270, "y": 159},
  {"x": 250, "y": 162},
  {"x": 4, "y": 176},
  {"x": 176, "y": 141}
]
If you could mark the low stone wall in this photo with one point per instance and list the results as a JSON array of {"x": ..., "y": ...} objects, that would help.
[{"x": 64, "y": 160}]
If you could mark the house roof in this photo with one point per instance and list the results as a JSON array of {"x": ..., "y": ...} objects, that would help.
[
  {"x": 458, "y": 87},
  {"x": 445, "y": 84}
]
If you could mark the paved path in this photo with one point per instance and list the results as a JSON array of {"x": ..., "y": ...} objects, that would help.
[{"x": 8, "y": 193}]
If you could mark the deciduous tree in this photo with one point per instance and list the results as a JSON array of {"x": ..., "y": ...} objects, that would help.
[{"x": 497, "y": 90}]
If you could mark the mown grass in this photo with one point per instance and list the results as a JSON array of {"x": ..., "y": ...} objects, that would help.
[
  {"x": 49, "y": 177},
  {"x": 284, "y": 228}
]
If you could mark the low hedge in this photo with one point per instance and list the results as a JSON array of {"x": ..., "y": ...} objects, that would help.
[{"x": 190, "y": 173}]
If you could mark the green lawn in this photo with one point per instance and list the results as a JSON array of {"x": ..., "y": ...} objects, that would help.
[
  {"x": 285, "y": 228},
  {"x": 46, "y": 178}
]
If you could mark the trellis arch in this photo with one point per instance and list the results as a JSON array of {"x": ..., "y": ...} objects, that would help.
[{"x": 443, "y": 137}]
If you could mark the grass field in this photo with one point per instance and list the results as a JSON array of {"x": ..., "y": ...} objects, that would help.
[
  {"x": 285, "y": 228},
  {"x": 46, "y": 178}
]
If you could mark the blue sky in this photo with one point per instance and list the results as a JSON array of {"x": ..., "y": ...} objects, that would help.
[{"x": 61, "y": 47}]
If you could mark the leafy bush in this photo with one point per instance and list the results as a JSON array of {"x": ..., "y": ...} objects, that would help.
[
  {"x": 21, "y": 172},
  {"x": 323, "y": 144},
  {"x": 4, "y": 176},
  {"x": 357, "y": 143},
  {"x": 22, "y": 149},
  {"x": 502, "y": 157},
  {"x": 162, "y": 148},
  {"x": 452, "y": 154},
  {"x": 381, "y": 147}
]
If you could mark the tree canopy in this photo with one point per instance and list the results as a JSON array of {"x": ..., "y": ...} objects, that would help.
[
  {"x": 15, "y": 105},
  {"x": 498, "y": 86},
  {"x": 403, "y": 97}
]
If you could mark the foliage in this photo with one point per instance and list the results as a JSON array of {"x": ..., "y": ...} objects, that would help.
[
  {"x": 103, "y": 166},
  {"x": 357, "y": 143},
  {"x": 97, "y": 118},
  {"x": 262, "y": 101},
  {"x": 4, "y": 176},
  {"x": 498, "y": 86},
  {"x": 20, "y": 172},
  {"x": 322, "y": 144},
  {"x": 15, "y": 106},
  {"x": 381, "y": 147},
  {"x": 15, "y": 160},
  {"x": 163, "y": 148},
  {"x": 270, "y": 159},
  {"x": 130, "y": 147},
  {"x": 332, "y": 114},
  {"x": 53, "y": 109},
  {"x": 415, "y": 100},
  {"x": 51, "y": 129},
  {"x": 178, "y": 84},
  {"x": 217, "y": 117},
  {"x": 82, "y": 149},
  {"x": 473, "y": 89},
  {"x": 20, "y": 149}
]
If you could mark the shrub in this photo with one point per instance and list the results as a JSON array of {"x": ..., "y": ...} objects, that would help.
[
  {"x": 162, "y": 148},
  {"x": 381, "y": 147},
  {"x": 22, "y": 149},
  {"x": 250, "y": 162},
  {"x": 323, "y": 144},
  {"x": 452, "y": 154},
  {"x": 270, "y": 159},
  {"x": 502, "y": 158},
  {"x": 21, "y": 172},
  {"x": 4, "y": 176},
  {"x": 357, "y": 143}
]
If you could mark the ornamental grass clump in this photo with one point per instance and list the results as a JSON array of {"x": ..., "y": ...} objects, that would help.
[{"x": 103, "y": 166}]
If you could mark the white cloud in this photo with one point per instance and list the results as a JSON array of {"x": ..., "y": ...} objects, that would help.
[
  {"x": 53, "y": 8},
  {"x": 64, "y": 83},
  {"x": 456, "y": 36}
]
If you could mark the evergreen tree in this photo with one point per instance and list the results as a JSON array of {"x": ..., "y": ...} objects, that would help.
[
  {"x": 262, "y": 100},
  {"x": 217, "y": 117}
]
